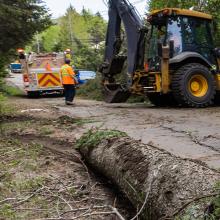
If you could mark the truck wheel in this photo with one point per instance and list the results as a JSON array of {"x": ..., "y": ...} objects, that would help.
[
  {"x": 162, "y": 100},
  {"x": 33, "y": 94},
  {"x": 193, "y": 85}
]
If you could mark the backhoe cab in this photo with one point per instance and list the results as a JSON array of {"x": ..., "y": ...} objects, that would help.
[
  {"x": 179, "y": 64},
  {"x": 182, "y": 58}
]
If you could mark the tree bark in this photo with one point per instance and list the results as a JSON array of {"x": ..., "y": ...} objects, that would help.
[{"x": 150, "y": 177}]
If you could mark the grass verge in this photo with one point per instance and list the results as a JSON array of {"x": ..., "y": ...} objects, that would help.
[
  {"x": 94, "y": 137},
  {"x": 5, "y": 91},
  {"x": 91, "y": 90},
  {"x": 8, "y": 90}
]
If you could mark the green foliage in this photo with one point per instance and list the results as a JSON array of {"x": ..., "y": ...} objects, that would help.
[
  {"x": 10, "y": 90},
  {"x": 83, "y": 32},
  {"x": 29, "y": 184},
  {"x": 6, "y": 90},
  {"x": 87, "y": 57},
  {"x": 20, "y": 20},
  {"x": 4, "y": 109},
  {"x": 3, "y": 72},
  {"x": 49, "y": 39},
  {"x": 158, "y": 4},
  {"x": 2, "y": 97},
  {"x": 91, "y": 90},
  {"x": 93, "y": 137},
  {"x": 6, "y": 212},
  {"x": 216, "y": 203},
  {"x": 97, "y": 29},
  {"x": 90, "y": 54},
  {"x": 215, "y": 214}
]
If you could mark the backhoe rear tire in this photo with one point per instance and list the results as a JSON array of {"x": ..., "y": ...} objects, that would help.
[{"x": 193, "y": 85}]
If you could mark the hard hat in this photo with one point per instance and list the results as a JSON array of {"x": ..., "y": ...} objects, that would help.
[
  {"x": 68, "y": 50},
  {"x": 20, "y": 50}
]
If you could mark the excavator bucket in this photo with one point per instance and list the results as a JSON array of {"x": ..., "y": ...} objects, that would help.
[{"x": 115, "y": 93}]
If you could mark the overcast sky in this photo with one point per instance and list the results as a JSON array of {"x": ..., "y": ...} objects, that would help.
[{"x": 58, "y": 7}]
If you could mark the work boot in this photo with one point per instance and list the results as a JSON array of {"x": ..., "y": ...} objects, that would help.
[{"x": 69, "y": 103}]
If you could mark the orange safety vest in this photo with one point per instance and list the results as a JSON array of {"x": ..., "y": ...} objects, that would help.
[{"x": 67, "y": 75}]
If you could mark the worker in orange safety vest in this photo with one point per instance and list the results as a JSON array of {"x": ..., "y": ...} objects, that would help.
[
  {"x": 68, "y": 55},
  {"x": 69, "y": 81}
]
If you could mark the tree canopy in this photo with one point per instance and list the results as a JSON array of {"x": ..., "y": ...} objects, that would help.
[
  {"x": 83, "y": 33},
  {"x": 20, "y": 20}
]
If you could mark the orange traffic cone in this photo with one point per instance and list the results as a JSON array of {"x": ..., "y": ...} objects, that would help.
[{"x": 48, "y": 67}]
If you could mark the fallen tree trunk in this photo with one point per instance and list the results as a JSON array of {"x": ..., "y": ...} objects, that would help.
[{"x": 159, "y": 183}]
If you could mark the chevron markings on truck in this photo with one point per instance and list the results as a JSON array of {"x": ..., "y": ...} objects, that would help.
[{"x": 48, "y": 79}]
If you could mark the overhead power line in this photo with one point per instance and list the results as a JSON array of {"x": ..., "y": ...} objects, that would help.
[
  {"x": 137, "y": 2},
  {"x": 105, "y": 2}
]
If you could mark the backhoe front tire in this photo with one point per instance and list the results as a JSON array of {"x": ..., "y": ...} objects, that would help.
[{"x": 193, "y": 85}]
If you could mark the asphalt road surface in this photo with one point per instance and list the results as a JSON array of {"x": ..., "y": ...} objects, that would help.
[{"x": 185, "y": 132}]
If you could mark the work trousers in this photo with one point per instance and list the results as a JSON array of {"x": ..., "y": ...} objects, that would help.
[{"x": 69, "y": 91}]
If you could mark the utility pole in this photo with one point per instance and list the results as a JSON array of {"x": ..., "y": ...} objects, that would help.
[
  {"x": 70, "y": 28},
  {"x": 38, "y": 43}
]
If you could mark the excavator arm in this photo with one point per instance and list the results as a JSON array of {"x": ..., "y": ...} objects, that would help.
[{"x": 122, "y": 11}]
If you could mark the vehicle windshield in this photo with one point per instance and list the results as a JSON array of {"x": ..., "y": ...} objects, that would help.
[{"x": 188, "y": 34}]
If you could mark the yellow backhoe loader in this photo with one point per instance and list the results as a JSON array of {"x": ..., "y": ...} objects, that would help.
[{"x": 174, "y": 62}]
